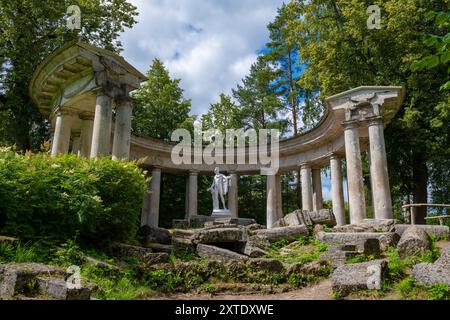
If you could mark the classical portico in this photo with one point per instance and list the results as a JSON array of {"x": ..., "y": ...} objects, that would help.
[{"x": 85, "y": 92}]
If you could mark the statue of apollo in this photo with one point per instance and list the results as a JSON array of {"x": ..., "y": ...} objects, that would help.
[{"x": 218, "y": 188}]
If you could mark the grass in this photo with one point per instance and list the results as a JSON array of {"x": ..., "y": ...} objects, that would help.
[{"x": 306, "y": 249}]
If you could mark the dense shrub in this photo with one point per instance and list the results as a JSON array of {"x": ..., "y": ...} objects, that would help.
[{"x": 64, "y": 197}]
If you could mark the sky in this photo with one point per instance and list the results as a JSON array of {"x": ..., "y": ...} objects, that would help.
[{"x": 208, "y": 44}]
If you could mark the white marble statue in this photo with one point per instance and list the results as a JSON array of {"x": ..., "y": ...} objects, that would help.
[{"x": 218, "y": 188}]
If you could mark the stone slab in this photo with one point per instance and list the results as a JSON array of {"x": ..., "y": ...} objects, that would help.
[
  {"x": 432, "y": 230},
  {"x": 216, "y": 253},
  {"x": 386, "y": 239}
]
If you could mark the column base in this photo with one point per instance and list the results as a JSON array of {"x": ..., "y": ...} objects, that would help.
[{"x": 221, "y": 213}]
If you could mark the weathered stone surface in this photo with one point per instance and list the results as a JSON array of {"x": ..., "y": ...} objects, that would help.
[
  {"x": 413, "y": 242},
  {"x": 220, "y": 235},
  {"x": 19, "y": 278},
  {"x": 199, "y": 221},
  {"x": 58, "y": 289},
  {"x": 359, "y": 276},
  {"x": 270, "y": 265},
  {"x": 431, "y": 230},
  {"x": 386, "y": 238},
  {"x": 309, "y": 218},
  {"x": 216, "y": 253},
  {"x": 337, "y": 258},
  {"x": 323, "y": 216},
  {"x": 255, "y": 226},
  {"x": 145, "y": 254},
  {"x": 253, "y": 251},
  {"x": 283, "y": 233},
  {"x": 182, "y": 240},
  {"x": 428, "y": 274},
  {"x": 315, "y": 268},
  {"x": 259, "y": 242},
  {"x": 99, "y": 263},
  {"x": 370, "y": 225},
  {"x": 152, "y": 235}
]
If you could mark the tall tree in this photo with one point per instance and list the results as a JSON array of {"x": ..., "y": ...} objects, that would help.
[
  {"x": 340, "y": 52},
  {"x": 29, "y": 31},
  {"x": 223, "y": 115},
  {"x": 283, "y": 51},
  {"x": 259, "y": 101},
  {"x": 161, "y": 107}
]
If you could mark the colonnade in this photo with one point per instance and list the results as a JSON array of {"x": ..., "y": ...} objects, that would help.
[{"x": 94, "y": 138}]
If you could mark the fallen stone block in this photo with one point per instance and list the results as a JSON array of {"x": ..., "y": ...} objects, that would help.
[
  {"x": 270, "y": 265},
  {"x": 359, "y": 276},
  {"x": 315, "y": 268},
  {"x": 20, "y": 278},
  {"x": 220, "y": 235},
  {"x": 431, "y": 230},
  {"x": 309, "y": 218},
  {"x": 283, "y": 233},
  {"x": 386, "y": 239},
  {"x": 145, "y": 254},
  {"x": 60, "y": 290},
  {"x": 414, "y": 242},
  {"x": 180, "y": 224},
  {"x": 152, "y": 235},
  {"x": 370, "y": 225},
  {"x": 428, "y": 274},
  {"x": 253, "y": 251},
  {"x": 216, "y": 253}
]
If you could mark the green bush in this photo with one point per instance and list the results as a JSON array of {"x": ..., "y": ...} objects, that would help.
[{"x": 60, "y": 198}]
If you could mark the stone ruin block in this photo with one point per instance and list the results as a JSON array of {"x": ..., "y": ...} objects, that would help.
[
  {"x": 414, "y": 242},
  {"x": 216, "y": 253},
  {"x": 359, "y": 276},
  {"x": 428, "y": 274},
  {"x": 431, "y": 230},
  {"x": 283, "y": 233},
  {"x": 386, "y": 239}
]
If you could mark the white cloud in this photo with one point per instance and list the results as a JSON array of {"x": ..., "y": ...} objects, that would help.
[{"x": 209, "y": 44}]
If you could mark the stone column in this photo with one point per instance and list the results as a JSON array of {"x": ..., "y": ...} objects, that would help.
[
  {"x": 337, "y": 190},
  {"x": 146, "y": 203},
  {"x": 122, "y": 131},
  {"x": 279, "y": 197},
  {"x": 101, "y": 135},
  {"x": 61, "y": 138},
  {"x": 357, "y": 201},
  {"x": 186, "y": 200},
  {"x": 155, "y": 192},
  {"x": 381, "y": 191},
  {"x": 87, "y": 124},
  {"x": 272, "y": 203},
  {"x": 76, "y": 142},
  {"x": 233, "y": 196},
  {"x": 317, "y": 189},
  {"x": 306, "y": 180},
  {"x": 193, "y": 185}
]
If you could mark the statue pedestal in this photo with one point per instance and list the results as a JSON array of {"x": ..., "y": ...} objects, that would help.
[{"x": 221, "y": 213}]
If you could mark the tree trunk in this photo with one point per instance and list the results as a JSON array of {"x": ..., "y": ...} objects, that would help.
[{"x": 420, "y": 192}]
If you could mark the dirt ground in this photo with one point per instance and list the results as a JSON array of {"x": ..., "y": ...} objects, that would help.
[{"x": 320, "y": 291}]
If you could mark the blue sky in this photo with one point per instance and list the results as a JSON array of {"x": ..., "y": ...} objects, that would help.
[{"x": 208, "y": 44}]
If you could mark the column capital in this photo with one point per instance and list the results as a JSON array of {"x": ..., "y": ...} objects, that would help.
[
  {"x": 305, "y": 165},
  {"x": 194, "y": 172},
  {"x": 124, "y": 102},
  {"x": 351, "y": 124},
  {"x": 335, "y": 156},
  {"x": 375, "y": 121}
]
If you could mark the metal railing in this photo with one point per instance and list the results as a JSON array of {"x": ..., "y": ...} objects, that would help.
[{"x": 409, "y": 211}]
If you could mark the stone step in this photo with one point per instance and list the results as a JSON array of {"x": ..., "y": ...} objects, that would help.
[{"x": 60, "y": 290}]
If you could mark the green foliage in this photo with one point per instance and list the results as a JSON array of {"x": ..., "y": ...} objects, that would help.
[
  {"x": 360, "y": 258},
  {"x": 161, "y": 107},
  {"x": 66, "y": 197},
  {"x": 30, "y": 30},
  {"x": 439, "y": 292},
  {"x": 223, "y": 115}
]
